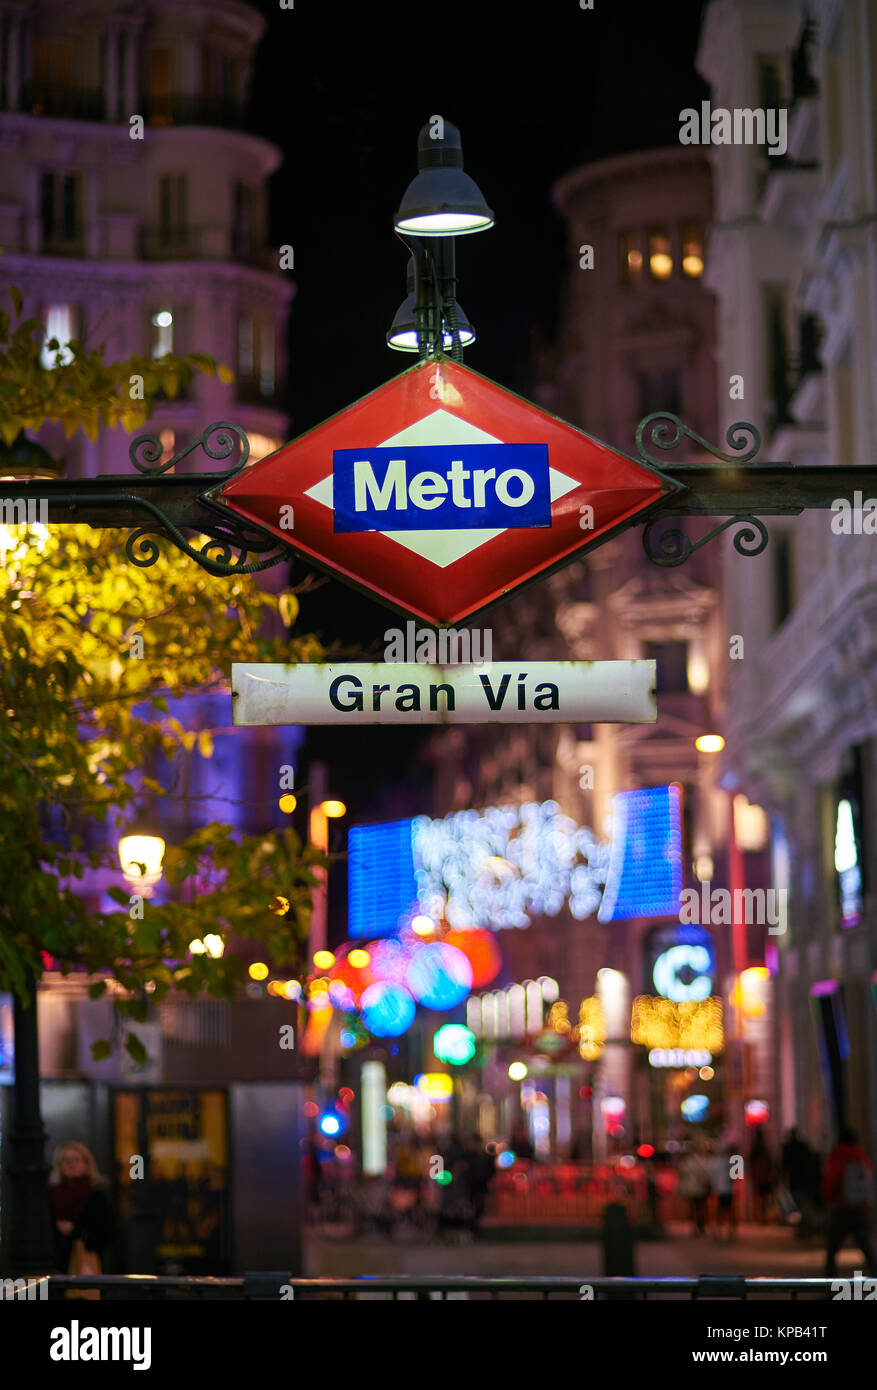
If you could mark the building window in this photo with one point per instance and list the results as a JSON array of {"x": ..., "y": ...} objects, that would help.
[
  {"x": 246, "y": 228},
  {"x": 671, "y": 659},
  {"x": 246, "y": 346},
  {"x": 660, "y": 255},
  {"x": 659, "y": 391},
  {"x": 52, "y": 77},
  {"x": 256, "y": 358},
  {"x": 783, "y": 576},
  {"x": 172, "y": 209},
  {"x": 60, "y": 208},
  {"x": 266, "y": 358},
  {"x": 770, "y": 82},
  {"x": 631, "y": 257},
  {"x": 162, "y": 333},
  {"x": 692, "y": 251},
  {"x": 779, "y": 365},
  {"x": 158, "y": 86},
  {"x": 60, "y": 322}
]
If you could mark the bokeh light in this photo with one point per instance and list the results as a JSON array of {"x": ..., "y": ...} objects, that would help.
[
  {"x": 480, "y": 949},
  {"x": 258, "y": 970},
  {"x": 387, "y": 1010},
  {"x": 454, "y": 1043},
  {"x": 287, "y": 803},
  {"x": 439, "y": 976}
]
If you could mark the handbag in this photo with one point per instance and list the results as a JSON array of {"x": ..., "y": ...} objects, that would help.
[{"x": 83, "y": 1261}]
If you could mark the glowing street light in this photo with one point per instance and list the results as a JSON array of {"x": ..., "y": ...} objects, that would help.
[{"x": 140, "y": 858}]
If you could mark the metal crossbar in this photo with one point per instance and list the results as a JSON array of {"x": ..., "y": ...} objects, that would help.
[{"x": 278, "y": 1285}]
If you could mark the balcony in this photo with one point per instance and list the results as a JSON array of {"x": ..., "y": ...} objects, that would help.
[
  {"x": 56, "y": 244},
  {"x": 193, "y": 108},
  {"x": 204, "y": 243},
  {"x": 249, "y": 390},
  {"x": 61, "y": 101}
]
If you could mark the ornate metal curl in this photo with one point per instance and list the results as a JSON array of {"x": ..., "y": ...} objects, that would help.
[
  {"x": 142, "y": 550},
  {"x": 151, "y": 449},
  {"x": 673, "y": 547},
  {"x": 659, "y": 423}
]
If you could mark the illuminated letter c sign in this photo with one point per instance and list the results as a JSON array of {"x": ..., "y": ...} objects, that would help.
[{"x": 671, "y": 962}]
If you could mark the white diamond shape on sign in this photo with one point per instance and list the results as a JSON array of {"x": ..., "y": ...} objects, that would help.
[{"x": 442, "y": 548}]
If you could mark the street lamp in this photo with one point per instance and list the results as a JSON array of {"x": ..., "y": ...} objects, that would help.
[
  {"x": 140, "y": 857},
  {"x": 441, "y": 200},
  {"x": 402, "y": 333},
  {"x": 440, "y": 204}
]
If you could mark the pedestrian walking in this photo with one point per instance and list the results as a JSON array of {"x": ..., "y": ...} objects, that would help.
[
  {"x": 82, "y": 1219},
  {"x": 695, "y": 1183},
  {"x": 723, "y": 1186},
  {"x": 763, "y": 1173},
  {"x": 799, "y": 1169},
  {"x": 848, "y": 1190}
]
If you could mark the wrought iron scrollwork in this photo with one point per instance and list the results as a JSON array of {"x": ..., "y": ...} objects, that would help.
[
  {"x": 151, "y": 448},
  {"x": 673, "y": 547},
  {"x": 226, "y": 536},
  {"x": 670, "y": 545},
  {"x": 737, "y": 437},
  {"x": 141, "y": 548}
]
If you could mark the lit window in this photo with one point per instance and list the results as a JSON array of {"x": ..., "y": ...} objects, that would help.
[
  {"x": 59, "y": 324},
  {"x": 631, "y": 257},
  {"x": 692, "y": 251},
  {"x": 660, "y": 259},
  {"x": 163, "y": 333}
]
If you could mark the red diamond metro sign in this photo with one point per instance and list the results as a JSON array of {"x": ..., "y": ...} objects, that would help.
[{"x": 441, "y": 492}]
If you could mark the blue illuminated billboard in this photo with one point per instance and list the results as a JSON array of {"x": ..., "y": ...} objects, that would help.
[
  {"x": 381, "y": 886},
  {"x": 645, "y": 864}
]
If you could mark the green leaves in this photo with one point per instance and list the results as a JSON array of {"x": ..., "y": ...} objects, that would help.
[
  {"x": 85, "y": 724},
  {"x": 84, "y": 392},
  {"x": 135, "y": 1049}
]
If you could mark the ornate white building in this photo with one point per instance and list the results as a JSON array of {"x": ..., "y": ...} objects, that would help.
[
  {"x": 792, "y": 258},
  {"x": 133, "y": 204}
]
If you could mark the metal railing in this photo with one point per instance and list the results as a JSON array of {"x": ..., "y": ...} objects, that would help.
[{"x": 277, "y": 1285}]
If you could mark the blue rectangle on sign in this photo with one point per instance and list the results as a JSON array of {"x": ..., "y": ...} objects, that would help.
[{"x": 441, "y": 487}]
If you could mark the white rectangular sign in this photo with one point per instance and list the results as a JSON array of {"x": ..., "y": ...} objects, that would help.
[{"x": 497, "y": 692}]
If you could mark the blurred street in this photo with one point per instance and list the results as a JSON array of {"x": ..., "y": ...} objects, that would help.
[{"x": 759, "y": 1250}]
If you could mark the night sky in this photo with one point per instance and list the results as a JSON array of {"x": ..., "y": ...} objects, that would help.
[{"x": 536, "y": 91}]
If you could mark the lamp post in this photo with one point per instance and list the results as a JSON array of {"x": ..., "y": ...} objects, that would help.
[
  {"x": 140, "y": 857},
  {"x": 440, "y": 204}
]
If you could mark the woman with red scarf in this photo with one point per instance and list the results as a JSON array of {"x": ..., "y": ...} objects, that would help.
[{"x": 81, "y": 1214}]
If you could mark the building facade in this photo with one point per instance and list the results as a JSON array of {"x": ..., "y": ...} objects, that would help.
[
  {"x": 792, "y": 259},
  {"x": 637, "y": 336},
  {"x": 133, "y": 214},
  {"x": 133, "y": 205}
]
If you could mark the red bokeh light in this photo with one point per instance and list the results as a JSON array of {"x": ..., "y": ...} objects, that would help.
[
  {"x": 480, "y": 949},
  {"x": 645, "y": 1150},
  {"x": 311, "y": 1108}
]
